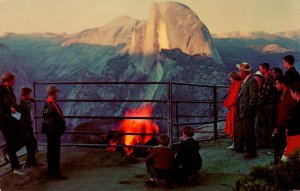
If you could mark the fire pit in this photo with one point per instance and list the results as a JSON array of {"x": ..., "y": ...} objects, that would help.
[{"x": 136, "y": 132}]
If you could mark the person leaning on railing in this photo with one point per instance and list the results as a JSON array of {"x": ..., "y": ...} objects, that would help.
[{"x": 54, "y": 126}]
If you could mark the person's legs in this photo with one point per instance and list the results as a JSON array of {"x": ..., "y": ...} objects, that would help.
[
  {"x": 259, "y": 128},
  {"x": 10, "y": 139},
  {"x": 151, "y": 171},
  {"x": 53, "y": 155},
  {"x": 238, "y": 136},
  {"x": 249, "y": 134},
  {"x": 31, "y": 149},
  {"x": 56, "y": 156},
  {"x": 279, "y": 146},
  {"x": 50, "y": 155}
]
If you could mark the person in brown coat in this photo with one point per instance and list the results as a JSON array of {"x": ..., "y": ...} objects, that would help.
[{"x": 160, "y": 161}]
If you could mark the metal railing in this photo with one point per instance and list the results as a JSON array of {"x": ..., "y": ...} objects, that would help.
[
  {"x": 168, "y": 117},
  {"x": 173, "y": 118}
]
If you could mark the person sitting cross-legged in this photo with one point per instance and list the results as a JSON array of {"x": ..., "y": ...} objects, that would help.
[{"x": 160, "y": 162}]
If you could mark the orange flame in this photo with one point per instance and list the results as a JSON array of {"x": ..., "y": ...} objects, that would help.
[{"x": 137, "y": 126}]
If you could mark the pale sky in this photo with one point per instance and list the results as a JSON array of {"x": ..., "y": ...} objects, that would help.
[{"x": 70, "y": 16}]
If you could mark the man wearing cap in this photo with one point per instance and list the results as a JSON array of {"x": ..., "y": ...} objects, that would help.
[
  {"x": 54, "y": 125},
  {"x": 246, "y": 112},
  {"x": 9, "y": 124}
]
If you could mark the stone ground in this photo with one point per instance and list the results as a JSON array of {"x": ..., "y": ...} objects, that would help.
[{"x": 94, "y": 169}]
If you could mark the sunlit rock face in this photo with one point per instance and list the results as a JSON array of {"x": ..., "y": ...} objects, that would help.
[{"x": 172, "y": 25}]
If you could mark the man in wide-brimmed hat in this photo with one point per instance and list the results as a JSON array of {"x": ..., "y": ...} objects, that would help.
[{"x": 246, "y": 107}]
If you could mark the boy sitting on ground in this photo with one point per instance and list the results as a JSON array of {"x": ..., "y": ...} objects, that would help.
[
  {"x": 188, "y": 160},
  {"x": 160, "y": 161}
]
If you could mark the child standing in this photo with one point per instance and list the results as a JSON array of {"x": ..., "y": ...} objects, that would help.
[
  {"x": 160, "y": 161},
  {"x": 188, "y": 160},
  {"x": 26, "y": 122}
]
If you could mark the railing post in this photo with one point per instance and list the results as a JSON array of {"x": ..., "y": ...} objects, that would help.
[
  {"x": 35, "y": 111},
  {"x": 170, "y": 94},
  {"x": 177, "y": 121},
  {"x": 215, "y": 111}
]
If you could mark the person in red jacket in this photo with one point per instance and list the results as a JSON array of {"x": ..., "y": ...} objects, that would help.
[
  {"x": 160, "y": 161},
  {"x": 229, "y": 103}
]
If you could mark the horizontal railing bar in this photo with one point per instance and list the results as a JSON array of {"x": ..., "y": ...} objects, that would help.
[
  {"x": 141, "y": 83},
  {"x": 200, "y": 85},
  {"x": 102, "y": 101},
  {"x": 109, "y": 117},
  {"x": 129, "y": 101},
  {"x": 198, "y": 101},
  {"x": 203, "y": 140},
  {"x": 197, "y": 123},
  {"x": 198, "y": 132},
  {"x": 194, "y": 116},
  {"x": 101, "y": 145},
  {"x": 103, "y": 83},
  {"x": 103, "y": 133}
]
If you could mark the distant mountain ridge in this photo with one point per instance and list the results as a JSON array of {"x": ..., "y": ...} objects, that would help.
[{"x": 293, "y": 34}]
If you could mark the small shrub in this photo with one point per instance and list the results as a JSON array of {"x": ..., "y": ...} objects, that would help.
[{"x": 283, "y": 176}]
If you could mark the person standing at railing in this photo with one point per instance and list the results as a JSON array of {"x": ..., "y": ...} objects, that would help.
[
  {"x": 264, "y": 111},
  {"x": 9, "y": 125},
  {"x": 246, "y": 112},
  {"x": 286, "y": 101},
  {"x": 54, "y": 126},
  {"x": 26, "y": 122},
  {"x": 230, "y": 102}
]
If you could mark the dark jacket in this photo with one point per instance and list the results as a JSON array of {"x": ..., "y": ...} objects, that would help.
[
  {"x": 7, "y": 100},
  {"x": 188, "y": 157},
  {"x": 53, "y": 118},
  {"x": 293, "y": 118},
  {"x": 26, "y": 116},
  {"x": 292, "y": 75},
  {"x": 247, "y": 98},
  {"x": 162, "y": 157}
]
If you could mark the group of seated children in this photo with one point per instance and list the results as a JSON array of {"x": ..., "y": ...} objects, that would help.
[{"x": 162, "y": 163}]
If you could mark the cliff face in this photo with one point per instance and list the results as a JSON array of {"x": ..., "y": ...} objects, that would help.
[{"x": 172, "y": 26}]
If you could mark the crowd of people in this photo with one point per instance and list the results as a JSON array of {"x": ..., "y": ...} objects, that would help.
[
  {"x": 263, "y": 109},
  {"x": 18, "y": 130}
]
